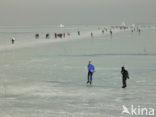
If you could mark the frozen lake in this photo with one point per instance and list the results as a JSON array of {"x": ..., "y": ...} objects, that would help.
[{"x": 47, "y": 78}]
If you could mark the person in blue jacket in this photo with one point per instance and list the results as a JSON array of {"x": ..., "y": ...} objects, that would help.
[{"x": 90, "y": 72}]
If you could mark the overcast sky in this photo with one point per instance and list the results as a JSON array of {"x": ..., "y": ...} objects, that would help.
[{"x": 46, "y": 12}]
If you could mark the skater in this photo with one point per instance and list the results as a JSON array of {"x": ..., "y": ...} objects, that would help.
[
  {"x": 13, "y": 40},
  {"x": 37, "y": 36},
  {"x": 78, "y": 33},
  {"x": 125, "y": 76},
  {"x": 68, "y": 33},
  {"x": 91, "y": 34},
  {"x": 111, "y": 32},
  {"x": 61, "y": 35},
  {"x": 64, "y": 35},
  {"x": 55, "y": 35},
  {"x": 47, "y": 36},
  {"x": 90, "y": 72}
]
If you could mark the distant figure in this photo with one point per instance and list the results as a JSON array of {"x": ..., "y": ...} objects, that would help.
[
  {"x": 125, "y": 76},
  {"x": 90, "y": 72},
  {"x": 60, "y": 35},
  {"x": 111, "y": 32},
  {"x": 55, "y": 35},
  {"x": 64, "y": 35},
  {"x": 103, "y": 31},
  {"x": 37, "y": 36},
  {"x": 91, "y": 34},
  {"x": 68, "y": 33},
  {"x": 139, "y": 30},
  {"x": 47, "y": 36},
  {"x": 78, "y": 33},
  {"x": 13, "y": 40}
]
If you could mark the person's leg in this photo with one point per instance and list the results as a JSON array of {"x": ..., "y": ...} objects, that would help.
[
  {"x": 88, "y": 77},
  {"x": 91, "y": 74},
  {"x": 124, "y": 82}
]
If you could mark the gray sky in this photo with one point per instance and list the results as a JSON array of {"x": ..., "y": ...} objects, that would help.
[{"x": 45, "y": 12}]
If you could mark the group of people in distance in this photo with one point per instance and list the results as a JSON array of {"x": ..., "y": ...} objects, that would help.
[
  {"x": 47, "y": 36},
  {"x": 91, "y": 70},
  {"x": 60, "y": 35}
]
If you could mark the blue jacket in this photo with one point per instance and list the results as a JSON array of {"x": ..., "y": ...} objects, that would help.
[{"x": 90, "y": 67}]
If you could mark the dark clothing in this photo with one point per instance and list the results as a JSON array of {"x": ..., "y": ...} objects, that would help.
[
  {"x": 37, "y": 36},
  {"x": 125, "y": 76},
  {"x": 47, "y": 36},
  {"x": 124, "y": 82},
  {"x": 111, "y": 32},
  {"x": 90, "y": 74},
  {"x": 12, "y": 41},
  {"x": 55, "y": 35},
  {"x": 78, "y": 32}
]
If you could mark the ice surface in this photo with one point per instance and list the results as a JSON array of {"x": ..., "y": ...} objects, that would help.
[{"x": 47, "y": 78}]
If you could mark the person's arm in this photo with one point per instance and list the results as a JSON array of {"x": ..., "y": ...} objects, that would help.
[
  {"x": 127, "y": 75},
  {"x": 121, "y": 71}
]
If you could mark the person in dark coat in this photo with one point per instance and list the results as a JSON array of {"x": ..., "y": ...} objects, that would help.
[
  {"x": 37, "y": 36},
  {"x": 55, "y": 35},
  {"x": 111, "y": 32},
  {"x": 47, "y": 36},
  {"x": 91, "y": 34},
  {"x": 13, "y": 40},
  {"x": 78, "y": 33},
  {"x": 125, "y": 76}
]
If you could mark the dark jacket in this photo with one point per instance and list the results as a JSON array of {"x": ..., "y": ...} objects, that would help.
[{"x": 125, "y": 74}]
